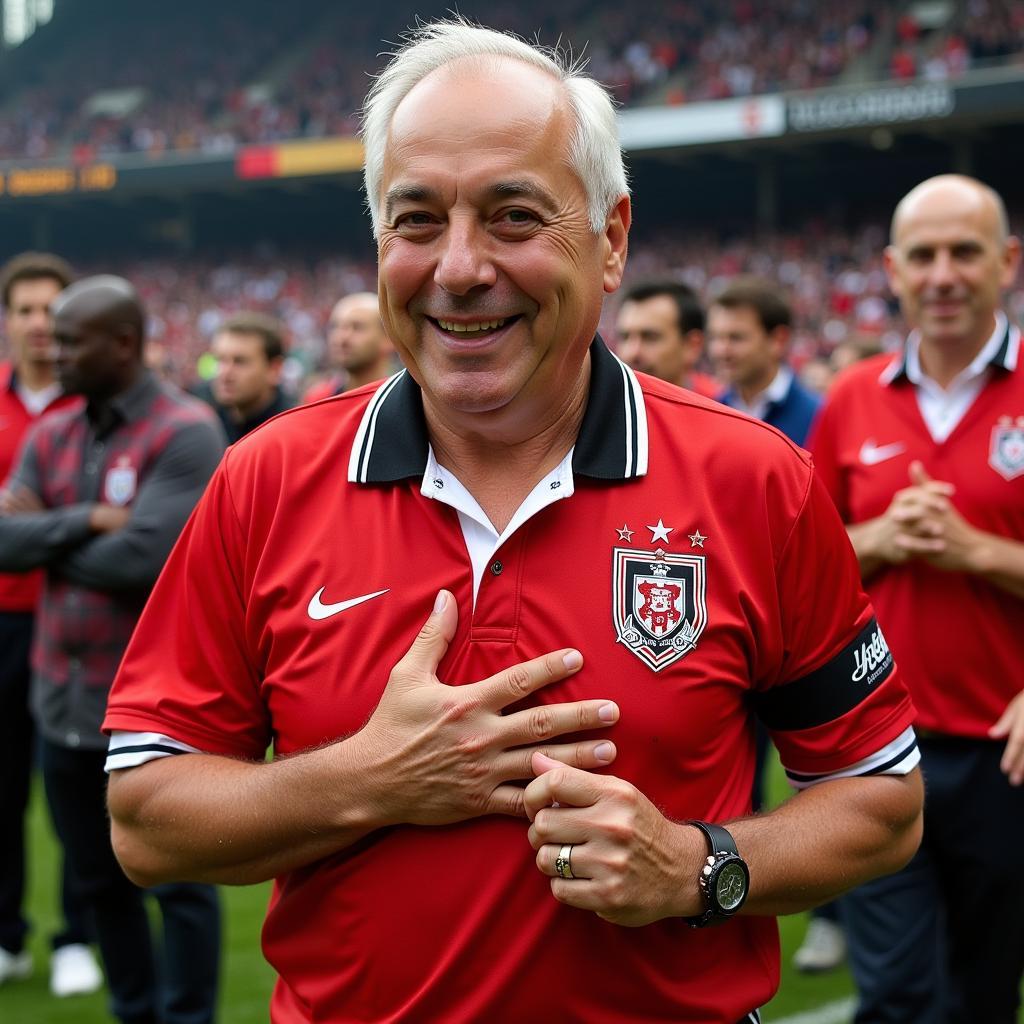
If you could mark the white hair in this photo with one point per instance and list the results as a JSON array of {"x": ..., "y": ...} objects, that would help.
[{"x": 594, "y": 151}]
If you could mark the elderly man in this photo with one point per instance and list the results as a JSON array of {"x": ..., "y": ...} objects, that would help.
[
  {"x": 357, "y": 347},
  {"x": 924, "y": 456},
  {"x": 399, "y": 631}
]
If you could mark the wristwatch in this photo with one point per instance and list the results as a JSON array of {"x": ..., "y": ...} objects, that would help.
[{"x": 724, "y": 879}]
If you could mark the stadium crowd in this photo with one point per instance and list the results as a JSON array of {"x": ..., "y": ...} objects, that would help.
[
  {"x": 833, "y": 278},
  {"x": 210, "y": 79}
]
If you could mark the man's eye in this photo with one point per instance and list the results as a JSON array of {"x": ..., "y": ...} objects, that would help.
[
  {"x": 519, "y": 217},
  {"x": 413, "y": 221}
]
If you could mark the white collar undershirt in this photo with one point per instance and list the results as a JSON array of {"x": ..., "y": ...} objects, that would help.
[
  {"x": 943, "y": 408},
  {"x": 482, "y": 540}
]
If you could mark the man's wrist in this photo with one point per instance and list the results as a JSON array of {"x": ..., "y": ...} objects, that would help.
[{"x": 692, "y": 852}]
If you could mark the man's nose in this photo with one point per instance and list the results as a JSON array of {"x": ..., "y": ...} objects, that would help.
[
  {"x": 465, "y": 261},
  {"x": 943, "y": 272}
]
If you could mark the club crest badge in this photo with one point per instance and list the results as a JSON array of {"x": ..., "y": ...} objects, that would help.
[
  {"x": 658, "y": 603},
  {"x": 1006, "y": 452},
  {"x": 120, "y": 483}
]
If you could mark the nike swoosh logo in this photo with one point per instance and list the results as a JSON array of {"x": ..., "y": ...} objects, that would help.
[
  {"x": 317, "y": 610},
  {"x": 871, "y": 454}
]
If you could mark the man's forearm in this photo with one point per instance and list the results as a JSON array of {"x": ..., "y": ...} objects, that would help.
[
  {"x": 999, "y": 561},
  {"x": 829, "y": 838},
  {"x": 36, "y": 539},
  {"x": 864, "y": 538},
  {"x": 204, "y": 818}
]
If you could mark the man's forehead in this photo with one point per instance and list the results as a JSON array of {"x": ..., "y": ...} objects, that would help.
[
  {"x": 491, "y": 101},
  {"x": 946, "y": 212}
]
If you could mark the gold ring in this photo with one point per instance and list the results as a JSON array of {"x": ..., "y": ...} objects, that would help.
[{"x": 563, "y": 862}]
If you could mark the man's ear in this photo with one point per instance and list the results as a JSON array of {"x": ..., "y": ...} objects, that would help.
[{"x": 616, "y": 242}]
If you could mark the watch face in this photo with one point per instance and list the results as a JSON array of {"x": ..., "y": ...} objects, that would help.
[{"x": 731, "y": 887}]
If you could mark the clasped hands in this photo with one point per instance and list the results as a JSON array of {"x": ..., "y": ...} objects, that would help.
[
  {"x": 443, "y": 754},
  {"x": 921, "y": 522}
]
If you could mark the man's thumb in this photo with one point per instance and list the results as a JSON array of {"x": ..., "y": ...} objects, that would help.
[{"x": 436, "y": 634}]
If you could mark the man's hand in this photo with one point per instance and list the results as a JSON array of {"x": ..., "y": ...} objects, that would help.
[
  {"x": 1011, "y": 728},
  {"x": 108, "y": 518},
  {"x": 448, "y": 753},
  {"x": 18, "y": 500},
  {"x": 907, "y": 528},
  {"x": 631, "y": 865}
]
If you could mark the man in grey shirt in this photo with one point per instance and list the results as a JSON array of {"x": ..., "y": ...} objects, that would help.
[{"x": 98, "y": 495}]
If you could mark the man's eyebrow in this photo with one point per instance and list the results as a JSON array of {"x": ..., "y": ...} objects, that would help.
[
  {"x": 525, "y": 189},
  {"x": 407, "y": 193}
]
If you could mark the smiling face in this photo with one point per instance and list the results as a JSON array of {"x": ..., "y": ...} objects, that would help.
[
  {"x": 491, "y": 278},
  {"x": 950, "y": 261}
]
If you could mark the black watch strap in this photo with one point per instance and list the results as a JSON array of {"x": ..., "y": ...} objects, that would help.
[{"x": 719, "y": 839}]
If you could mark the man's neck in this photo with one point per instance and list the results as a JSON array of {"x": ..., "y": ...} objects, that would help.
[
  {"x": 749, "y": 392},
  {"x": 943, "y": 359},
  {"x": 367, "y": 375},
  {"x": 35, "y": 376},
  {"x": 500, "y": 466},
  {"x": 243, "y": 413}
]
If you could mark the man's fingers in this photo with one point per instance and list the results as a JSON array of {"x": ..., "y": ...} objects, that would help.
[
  {"x": 427, "y": 650},
  {"x": 559, "y": 784},
  {"x": 555, "y": 825},
  {"x": 519, "y": 681},
  {"x": 912, "y": 545},
  {"x": 549, "y": 721},
  {"x": 920, "y": 477},
  {"x": 586, "y": 754},
  {"x": 574, "y": 859}
]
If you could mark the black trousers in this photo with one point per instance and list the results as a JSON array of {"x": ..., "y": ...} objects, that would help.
[
  {"x": 17, "y": 748},
  {"x": 942, "y": 941},
  {"x": 169, "y": 981}
]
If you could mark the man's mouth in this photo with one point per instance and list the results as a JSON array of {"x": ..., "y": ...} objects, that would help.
[{"x": 468, "y": 329}]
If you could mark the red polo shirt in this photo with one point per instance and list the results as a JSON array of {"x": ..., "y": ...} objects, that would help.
[
  {"x": 19, "y": 592},
  {"x": 959, "y": 641},
  {"x": 698, "y": 567}
]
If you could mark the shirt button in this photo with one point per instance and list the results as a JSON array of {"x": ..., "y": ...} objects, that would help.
[
  {"x": 73, "y": 739},
  {"x": 497, "y": 568}
]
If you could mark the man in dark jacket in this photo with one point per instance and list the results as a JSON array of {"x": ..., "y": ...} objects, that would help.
[{"x": 97, "y": 498}]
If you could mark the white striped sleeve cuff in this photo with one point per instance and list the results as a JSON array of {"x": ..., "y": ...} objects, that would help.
[
  {"x": 130, "y": 749},
  {"x": 899, "y": 757}
]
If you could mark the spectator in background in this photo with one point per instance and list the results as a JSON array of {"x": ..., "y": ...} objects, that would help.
[
  {"x": 97, "y": 499},
  {"x": 358, "y": 350},
  {"x": 661, "y": 332},
  {"x": 249, "y": 349},
  {"x": 924, "y": 457},
  {"x": 749, "y": 327},
  {"x": 28, "y": 389}
]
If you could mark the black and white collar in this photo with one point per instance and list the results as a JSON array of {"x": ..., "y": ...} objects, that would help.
[
  {"x": 1005, "y": 352},
  {"x": 392, "y": 444}
]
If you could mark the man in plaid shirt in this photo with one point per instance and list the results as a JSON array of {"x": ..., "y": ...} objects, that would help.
[{"x": 97, "y": 498}]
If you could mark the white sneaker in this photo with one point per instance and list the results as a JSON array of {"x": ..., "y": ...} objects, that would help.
[
  {"x": 14, "y": 966},
  {"x": 823, "y": 949},
  {"x": 73, "y": 971}
]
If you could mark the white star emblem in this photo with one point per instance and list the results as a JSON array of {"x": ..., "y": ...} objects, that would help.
[
  {"x": 625, "y": 533},
  {"x": 660, "y": 532},
  {"x": 697, "y": 539}
]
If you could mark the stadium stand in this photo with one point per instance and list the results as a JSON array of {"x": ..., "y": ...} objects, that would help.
[{"x": 202, "y": 78}]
